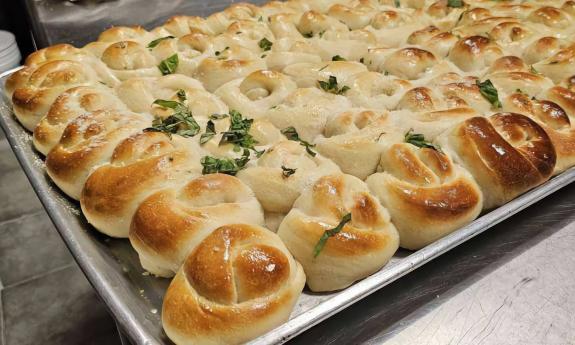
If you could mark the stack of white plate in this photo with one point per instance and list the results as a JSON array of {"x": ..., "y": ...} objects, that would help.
[{"x": 9, "y": 52}]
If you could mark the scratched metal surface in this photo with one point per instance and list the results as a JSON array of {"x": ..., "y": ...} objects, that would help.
[{"x": 511, "y": 285}]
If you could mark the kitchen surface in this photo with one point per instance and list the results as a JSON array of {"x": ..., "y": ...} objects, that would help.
[{"x": 513, "y": 284}]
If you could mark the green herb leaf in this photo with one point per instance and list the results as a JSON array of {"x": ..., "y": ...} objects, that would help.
[
  {"x": 291, "y": 134},
  {"x": 265, "y": 44},
  {"x": 419, "y": 141},
  {"x": 331, "y": 86},
  {"x": 287, "y": 172},
  {"x": 308, "y": 34},
  {"x": 330, "y": 233},
  {"x": 181, "y": 122},
  {"x": 181, "y": 95},
  {"x": 218, "y": 53},
  {"x": 212, "y": 165},
  {"x": 157, "y": 41},
  {"x": 169, "y": 65},
  {"x": 489, "y": 92},
  {"x": 455, "y": 3},
  {"x": 218, "y": 116},
  {"x": 337, "y": 58},
  {"x": 209, "y": 133},
  {"x": 397, "y": 3},
  {"x": 238, "y": 133}
]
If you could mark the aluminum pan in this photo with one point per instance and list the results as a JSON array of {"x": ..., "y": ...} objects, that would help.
[{"x": 134, "y": 298}]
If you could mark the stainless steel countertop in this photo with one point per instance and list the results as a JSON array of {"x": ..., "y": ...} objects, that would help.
[{"x": 514, "y": 284}]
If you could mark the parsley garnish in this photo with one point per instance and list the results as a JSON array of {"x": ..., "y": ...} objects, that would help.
[
  {"x": 229, "y": 166},
  {"x": 265, "y": 44},
  {"x": 238, "y": 133},
  {"x": 331, "y": 86},
  {"x": 169, "y": 65},
  {"x": 287, "y": 172},
  {"x": 209, "y": 133},
  {"x": 455, "y": 3},
  {"x": 337, "y": 58},
  {"x": 330, "y": 233},
  {"x": 489, "y": 92},
  {"x": 181, "y": 122},
  {"x": 419, "y": 141},
  {"x": 291, "y": 134},
  {"x": 157, "y": 41}
]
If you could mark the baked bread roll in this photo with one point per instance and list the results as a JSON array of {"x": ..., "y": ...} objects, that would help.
[
  {"x": 426, "y": 194},
  {"x": 140, "y": 166},
  {"x": 364, "y": 244},
  {"x": 282, "y": 172},
  {"x": 553, "y": 111},
  {"x": 44, "y": 84},
  {"x": 88, "y": 142},
  {"x": 67, "y": 107},
  {"x": 354, "y": 140},
  {"x": 307, "y": 110},
  {"x": 507, "y": 154},
  {"x": 256, "y": 94},
  {"x": 239, "y": 283},
  {"x": 169, "y": 224}
]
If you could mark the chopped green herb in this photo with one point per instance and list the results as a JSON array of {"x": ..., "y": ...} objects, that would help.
[
  {"x": 291, "y": 134},
  {"x": 308, "y": 34},
  {"x": 321, "y": 33},
  {"x": 260, "y": 19},
  {"x": 218, "y": 116},
  {"x": 230, "y": 166},
  {"x": 330, "y": 233},
  {"x": 218, "y": 52},
  {"x": 265, "y": 44},
  {"x": 455, "y": 3},
  {"x": 169, "y": 65},
  {"x": 181, "y": 95},
  {"x": 489, "y": 92},
  {"x": 397, "y": 3},
  {"x": 385, "y": 73},
  {"x": 287, "y": 172},
  {"x": 332, "y": 87},
  {"x": 337, "y": 58},
  {"x": 419, "y": 141},
  {"x": 181, "y": 122},
  {"x": 533, "y": 70},
  {"x": 238, "y": 133},
  {"x": 361, "y": 60},
  {"x": 157, "y": 41},
  {"x": 209, "y": 133}
]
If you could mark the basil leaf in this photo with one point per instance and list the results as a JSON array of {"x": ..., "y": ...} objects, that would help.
[
  {"x": 331, "y": 86},
  {"x": 330, "y": 233},
  {"x": 265, "y": 44},
  {"x": 489, "y": 92},
  {"x": 455, "y": 3},
  {"x": 218, "y": 116},
  {"x": 287, "y": 172},
  {"x": 157, "y": 41},
  {"x": 229, "y": 166},
  {"x": 209, "y": 133},
  {"x": 169, "y": 65},
  {"x": 291, "y": 134},
  {"x": 181, "y": 122},
  {"x": 419, "y": 141}
]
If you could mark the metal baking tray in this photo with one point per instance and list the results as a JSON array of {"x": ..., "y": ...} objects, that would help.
[{"x": 135, "y": 298}]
